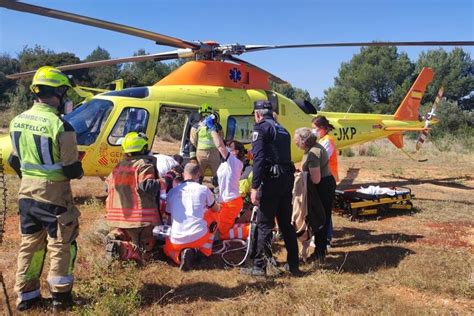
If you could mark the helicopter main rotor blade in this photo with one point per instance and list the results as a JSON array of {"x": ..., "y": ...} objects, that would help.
[
  {"x": 105, "y": 62},
  {"x": 254, "y": 48},
  {"x": 272, "y": 77},
  {"x": 71, "y": 17}
]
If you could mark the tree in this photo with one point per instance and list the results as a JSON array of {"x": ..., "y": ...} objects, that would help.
[
  {"x": 34, "y": 58},
  {"x": 375, "y": 80},
  {"x": 452, "y": 121},
  {"x": 8, "y": 66},
  {"x": 21, "y": 99},
  {"x": 453, "y": 70},
  {"x": 294, "y": 93},
  {"x": 144, "y": 73},
  {"x": 100, "y": 76}
]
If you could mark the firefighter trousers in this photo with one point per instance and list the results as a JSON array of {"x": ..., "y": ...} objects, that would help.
[
  {"x": 208, "y": 159},
  {"x": 46, "y": 228}
]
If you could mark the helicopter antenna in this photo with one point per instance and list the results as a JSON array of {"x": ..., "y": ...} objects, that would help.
[{"x": 345, "y": 115}]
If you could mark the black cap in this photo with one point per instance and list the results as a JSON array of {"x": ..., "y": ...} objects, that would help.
[{"x": 262, "y": 105}]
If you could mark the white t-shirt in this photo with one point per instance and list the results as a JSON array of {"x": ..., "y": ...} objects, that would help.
[
  {"x": 187, "y": 204},
  {"x": 228, "y": 176},
  {"x": 164, "y": 163}
]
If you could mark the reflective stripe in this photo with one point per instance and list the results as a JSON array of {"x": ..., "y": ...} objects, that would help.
[
  {"x": 231, "y": 234},
  {"x": 207, "y": 245},
  {"x": 15, "y": 141},
  {"x": 239, "y": 233},
  {"x": 134, "y": 147},
  {"x": 31, "y": 166},
  {"x": 46, "y": 150},
  {"x": 205, "y": 140},
  {"x": 25, "y": 296},
  {"x": 37, "y": 139},
  {"x": 58, "y": 280}
]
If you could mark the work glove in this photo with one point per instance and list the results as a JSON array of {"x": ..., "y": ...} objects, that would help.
[{"x": 210, "y": 122}]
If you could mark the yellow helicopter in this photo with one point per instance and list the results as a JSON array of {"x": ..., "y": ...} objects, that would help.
[{"x": 218, "y": 78}]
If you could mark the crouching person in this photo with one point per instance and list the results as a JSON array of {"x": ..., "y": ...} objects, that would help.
[
  {"x": 132, "y": 209},
  {"x": 193, "y": 211}
]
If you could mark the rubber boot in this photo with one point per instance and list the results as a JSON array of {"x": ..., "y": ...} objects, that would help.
[{"x": 62, "y": 302}]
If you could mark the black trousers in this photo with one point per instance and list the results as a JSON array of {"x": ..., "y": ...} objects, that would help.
[
  {"x": 276, "y": 202},
  {"x": 326, "y": 190}
]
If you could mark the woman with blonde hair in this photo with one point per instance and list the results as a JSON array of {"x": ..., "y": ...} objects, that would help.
[{"x": 321, "y": 185}]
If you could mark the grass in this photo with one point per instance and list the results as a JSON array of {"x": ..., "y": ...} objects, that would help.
[
  {"x": 438, "y": 271},
  {"x": 396, "y": 171},
  {"x": 110, "y": 290}
]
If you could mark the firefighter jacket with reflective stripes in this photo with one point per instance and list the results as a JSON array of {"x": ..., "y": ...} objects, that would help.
[
  {"x": 133, "y": 188},
  {"x": 201, "y": 137},
  {"x": 44, "y": 145}
]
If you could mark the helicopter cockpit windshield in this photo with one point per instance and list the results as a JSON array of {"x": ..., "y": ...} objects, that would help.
[{"x": 88, "y": 120}]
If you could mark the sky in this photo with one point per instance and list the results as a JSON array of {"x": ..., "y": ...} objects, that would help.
[{"x": 249, "y": 22}]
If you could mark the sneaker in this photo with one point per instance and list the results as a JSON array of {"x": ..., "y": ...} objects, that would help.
[
  {"x": 187, "y": 259},
  {"x": 254, "y": 271},
  {"x": 28, "y": 304},
  {"x": 62, "y": 302}
]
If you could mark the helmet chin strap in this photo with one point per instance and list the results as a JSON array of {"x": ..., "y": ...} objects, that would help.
[{"x": 62, "y": 101}]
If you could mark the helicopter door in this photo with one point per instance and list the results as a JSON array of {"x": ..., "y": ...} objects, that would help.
[
  {"x": 191, "y": 119},
  {"x": 175, "y": 122}
]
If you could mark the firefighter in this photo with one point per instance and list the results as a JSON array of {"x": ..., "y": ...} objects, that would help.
[
  {"x": 44, "y": 155},
  {"x": 203, "y": 149},
  {"x": 273, "y": 176},
  {"x": 132, "y": 205}
]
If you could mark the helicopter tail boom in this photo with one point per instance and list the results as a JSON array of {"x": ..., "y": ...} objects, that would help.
[{"x": 408, "y": 109}]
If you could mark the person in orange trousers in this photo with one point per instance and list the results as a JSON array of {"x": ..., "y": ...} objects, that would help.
[
  {"x": 228, "y": 178},
  {"x": 194, "y": 217}
]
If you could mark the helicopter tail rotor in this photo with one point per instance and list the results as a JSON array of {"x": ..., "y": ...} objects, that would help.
[{"x": 430, "y": 116}]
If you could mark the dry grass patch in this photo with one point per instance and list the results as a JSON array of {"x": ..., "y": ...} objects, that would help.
[{"x": 439, "y": 271}]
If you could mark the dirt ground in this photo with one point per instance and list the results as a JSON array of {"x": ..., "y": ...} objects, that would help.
[{"x": 418, "y": 262}]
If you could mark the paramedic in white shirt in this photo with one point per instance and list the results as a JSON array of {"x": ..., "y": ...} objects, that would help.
[
  {"x": 228, "y": 177},
  {"x": 194, "y": 216}
]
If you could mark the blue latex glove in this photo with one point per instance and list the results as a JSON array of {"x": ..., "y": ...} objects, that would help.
[{"x": 210, "y": 122}]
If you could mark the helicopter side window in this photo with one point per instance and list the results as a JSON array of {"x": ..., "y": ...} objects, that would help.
[
  {"x": 240, "y": 128},
  {"x": 130, "y": 120},
  {"x": 88, "y": 120}
]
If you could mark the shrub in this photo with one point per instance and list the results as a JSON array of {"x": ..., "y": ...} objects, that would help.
[
  {"x": 171, "y": 124},
  {"x": 369, "y": 150},
  {"x": 372, "y": 151},
  {"x": 348, "y": 152}
]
